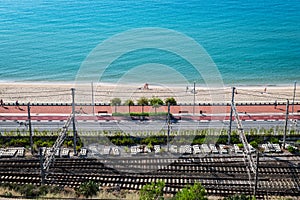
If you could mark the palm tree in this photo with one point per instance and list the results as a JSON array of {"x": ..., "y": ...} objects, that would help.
[
  {"x": 115, "y": 102},
  {"x": 171, "y": 100},
  {"x": 156, "y": 102},
  {"x": 143, "y": 101},
  {"x": 129, "y": 103}
]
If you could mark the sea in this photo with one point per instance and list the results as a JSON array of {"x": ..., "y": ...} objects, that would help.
[{"x": 253, "y": 42}]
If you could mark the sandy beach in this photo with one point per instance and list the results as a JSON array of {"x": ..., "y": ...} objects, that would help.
[{"x": 104, "y": 92}]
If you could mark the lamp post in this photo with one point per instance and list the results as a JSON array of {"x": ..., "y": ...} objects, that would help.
[
  {"x": 93, "y": 101},
  {"x": 286, "y": 122},
  {"x": 169, "y": 123},
  {"x": 295, "y": 83},
  {"x": 194, "y": 91},
  {"x": 30, "y": 129},
  {"x": 73, "y": 120}
]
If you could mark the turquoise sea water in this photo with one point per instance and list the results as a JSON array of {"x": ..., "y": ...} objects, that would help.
[{"x": 251, "y": 42}]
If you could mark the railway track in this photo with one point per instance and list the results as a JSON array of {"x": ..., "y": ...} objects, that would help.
[{"x": 221, "y": 176}]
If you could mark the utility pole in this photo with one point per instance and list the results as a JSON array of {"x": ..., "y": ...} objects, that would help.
[
  {"x": 93, "y": 101},
  {"x": 295, "y": 83},
  {"x": 168, "y": 122},
  {"x": 30, "y": 129},
  {"x": 231, "y": 113},
  {"x": 286, "y": 122},
  {"x": 73, "y": 120},
  {"x": 256, "y": 173},
  {"x": 194, "y": 91}
]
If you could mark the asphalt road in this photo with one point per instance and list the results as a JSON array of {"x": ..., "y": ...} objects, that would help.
[{"x": 147, "y": 125}]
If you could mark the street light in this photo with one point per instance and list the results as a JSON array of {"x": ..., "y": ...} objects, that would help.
[
  {"x": 295, "y": 83},
  {"x": 194, "y": 91}
]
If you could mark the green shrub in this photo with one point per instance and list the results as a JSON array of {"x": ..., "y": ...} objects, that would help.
[
  {"x": 274, "y": 140},
  {"x": 291, "y": 149},
  {"x": 10, "y": 186},
  {"x": 28, "y": 190},
  {"x": 135, "y": 114},
  {"x": 195, "y": 192},
  {"x": 234, "y": 139},
  {"x": 254, "y": 144},
  {"x": 152, "y": 140},
  {"x": 152, "y": 191},
  {"x": 88, "y": 189},
  {"x": 198, "y": 140},
  {"x": 222, "y": 140},
  {"x": 8, "y": 194},
  {"x": 18, "y": 142},
  {"x": 70, "y": 143}
]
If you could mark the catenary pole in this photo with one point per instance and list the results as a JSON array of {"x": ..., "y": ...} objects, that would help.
[
  {"x": 295, "y": 84},
  {"x": 286, "y": 122},
  {"x": 30, "y": 129},
  {"x": 73, "y": 120},
  {"x": 194, "y": 91},
  {"x": 93, "y": 100},
  {"x": 168, "y": 122},
  {"x": 231, "y": 113}
]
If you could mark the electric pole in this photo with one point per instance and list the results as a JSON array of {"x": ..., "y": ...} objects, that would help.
[
  {"x": 93, "y": 101},
  {"x": 194, "y": 91},
  {"x": 168, "y": 122},
  {"x": 231, "y": 113},
  {"x": 73, "y": 120},
  {"x": 30, "y": 129},
  {"x": 286, "y": 122},
  {"x": 295, "y": 83}
]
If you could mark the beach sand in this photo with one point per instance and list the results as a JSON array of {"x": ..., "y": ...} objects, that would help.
[{"x": 104, "y": 92}]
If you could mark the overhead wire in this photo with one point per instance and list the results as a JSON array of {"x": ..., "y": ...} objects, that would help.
[
  {"x": 256, "y": 95},
  {"x": 34, "y": 92}
]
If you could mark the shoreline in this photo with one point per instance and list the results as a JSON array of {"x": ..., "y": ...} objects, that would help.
[
  {"x": 49, "y": 82},
  {"x": 60, "y": 92}
]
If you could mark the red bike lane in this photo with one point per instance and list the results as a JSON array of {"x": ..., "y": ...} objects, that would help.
[{"x": 103, "y": 112}]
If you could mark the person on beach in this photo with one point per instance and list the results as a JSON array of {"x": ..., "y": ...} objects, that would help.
[
  {"x": 265, "y": 91},
  {"x": 275, "y": 104},
  {"x": 1, "y": 103},
  {"x": 146, "y": 86}
]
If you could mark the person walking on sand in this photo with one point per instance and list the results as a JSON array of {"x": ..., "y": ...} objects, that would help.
[
  {"x": 1, "y": 103},
  {"x": 146, "y": 86}
]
